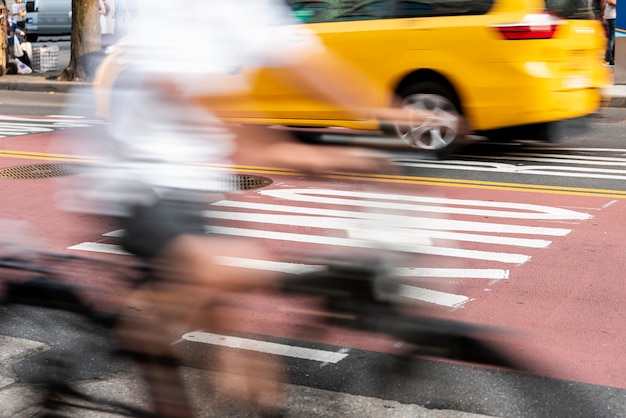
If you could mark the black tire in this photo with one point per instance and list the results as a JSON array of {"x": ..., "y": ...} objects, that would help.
[
  {"x": 32, "y": 37},
  {"x": 307, "y": 137},
  {"x": 440, "y": 99}
]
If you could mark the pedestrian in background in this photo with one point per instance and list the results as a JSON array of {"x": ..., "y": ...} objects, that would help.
[
  {"x": 610, "y": 14},
  {"x": 17, "y": 14},
  {"x": 103, "y": 12}
]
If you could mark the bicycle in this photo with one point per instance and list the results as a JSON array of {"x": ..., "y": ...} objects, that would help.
[
  {"x": 356, "y": 295},
  {"x": 40, "y": 291}
]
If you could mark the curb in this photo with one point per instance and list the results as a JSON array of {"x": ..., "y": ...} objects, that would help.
[
  {"x": 617, "y": 101},
  {"x": 37, "y": 86}
]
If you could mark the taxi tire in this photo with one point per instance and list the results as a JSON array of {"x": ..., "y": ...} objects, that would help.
[
  {"x": 443, "y": 95},
  {"x": 307, "y": 137}
]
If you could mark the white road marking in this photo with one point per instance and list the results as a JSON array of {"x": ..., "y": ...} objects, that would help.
[
  {"x": 359, "y": 230},
  {"x": 297, "y": 268},
  {"x": 491, "y": 274},
  {"x": 409, "y": 221},
  {"x": 416, "y": 293},
  {"x": 18, "y": 125},
  {"x": 559, "y": 165},
  {"x": 563, "y": 158},
  {"x": 117, "y": 233},
  {"x": 570, "y": 149},
  {"x": 433, "y": 296},
  {"x": 438, "y": 205},
  {"x": 98, "y": 247},
  {"x": 312, "y": 354},
  {"x": 278, "y": 266},
  {"x": 409, "y": 233},
  {"x": 356, "y": 243}
]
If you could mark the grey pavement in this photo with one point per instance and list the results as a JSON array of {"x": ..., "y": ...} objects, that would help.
[{"x": 18, "y": 399}]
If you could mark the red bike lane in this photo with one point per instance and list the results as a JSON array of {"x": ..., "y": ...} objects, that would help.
[{"x": 545, "y": 264}]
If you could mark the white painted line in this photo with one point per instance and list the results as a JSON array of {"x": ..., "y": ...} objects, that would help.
[
  {"x": 360, "y": 229},
  {"x": 10, "y": 128},
  {"x": 425, "y": 237},
  {"x": 71, "y": 122},
  {"x": 433, "y": 205},
  {"x": 297, "y": 268},
  {"x": 439, "y": 298},
  {"x": 408, "y": 221},
  {"x": 278, "y": 266},
  {"x": 99, "y": 248},
  {"x": 539, "y": 147},
  {"x": 116, "y": 234},
  {"x": 516, "y": 169},
  {"x": 266, "y": 347},
  {"x": 433, "y": 296},
  {"x": 347, "y": 242},
  {"x": 489, "y": 274},
  {"x": 582, "y": 159}
]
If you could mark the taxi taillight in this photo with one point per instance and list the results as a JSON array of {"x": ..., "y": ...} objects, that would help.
[{"x": 535, "y": 26}]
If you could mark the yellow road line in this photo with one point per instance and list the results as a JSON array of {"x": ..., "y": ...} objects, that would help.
[
  {"x": 448, "y": 182},
  {"x": 379, "y": 178},
  {"x": 31, "y": 155}
]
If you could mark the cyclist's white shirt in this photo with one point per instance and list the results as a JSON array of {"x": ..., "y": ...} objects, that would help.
[
  {"x": 160, "y": 146},
  {"x": 198, "y": 38}
]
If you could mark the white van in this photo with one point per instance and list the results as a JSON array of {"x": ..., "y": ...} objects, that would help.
[{"x": 48, "y": 17}]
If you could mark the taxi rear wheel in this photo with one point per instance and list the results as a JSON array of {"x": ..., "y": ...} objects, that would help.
[
  {"x": 307, "y": 137},
  {"x": 434, "y": 97}
]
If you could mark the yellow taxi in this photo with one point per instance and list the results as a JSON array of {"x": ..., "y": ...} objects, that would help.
[{"x": 511, "y": 69}]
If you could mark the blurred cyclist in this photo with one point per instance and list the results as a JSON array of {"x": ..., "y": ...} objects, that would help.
[{"x": 155, "y": 178}]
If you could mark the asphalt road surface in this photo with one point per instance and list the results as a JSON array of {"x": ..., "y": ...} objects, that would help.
[{"x": 528, "y": 237}]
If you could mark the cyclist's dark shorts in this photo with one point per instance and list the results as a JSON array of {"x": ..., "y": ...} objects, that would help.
[{"x": 149, "y": 228}]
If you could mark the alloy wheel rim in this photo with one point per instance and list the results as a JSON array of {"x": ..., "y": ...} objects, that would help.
[{"x": 425, "y": 135}]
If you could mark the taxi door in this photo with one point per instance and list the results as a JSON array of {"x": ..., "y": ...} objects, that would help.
[{"x": 362, "y": 37}]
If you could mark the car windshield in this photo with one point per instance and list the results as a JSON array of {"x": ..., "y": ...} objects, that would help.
[
  {"x": 340, "y": 10},
  {"x": 569, "y": 9}
]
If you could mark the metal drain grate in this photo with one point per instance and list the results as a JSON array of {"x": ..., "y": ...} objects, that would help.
[
  {"x": 42, "y": 171},
  {"x": 229, "y": 182},
  {"x": 236, "y": 182}
]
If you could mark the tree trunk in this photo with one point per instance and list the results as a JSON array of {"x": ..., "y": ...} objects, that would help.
[{"x": 86, "y": 44}]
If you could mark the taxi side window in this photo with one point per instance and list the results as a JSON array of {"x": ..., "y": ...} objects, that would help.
[
  {"x": 341, "y": 10},
  {"x": 428, "y": 8},
  {"x": 569, "y": 9}
]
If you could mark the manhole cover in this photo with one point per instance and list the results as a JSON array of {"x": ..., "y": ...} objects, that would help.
[{"x": 41, "y": 171}]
